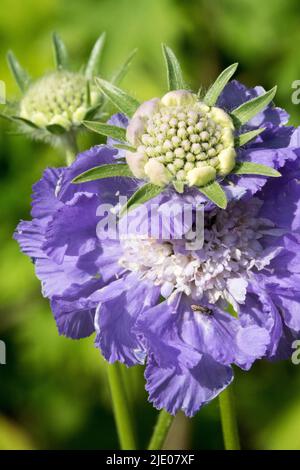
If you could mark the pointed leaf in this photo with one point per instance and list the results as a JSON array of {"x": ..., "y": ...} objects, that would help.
[
  {"x": 122, "y": 71},
  {"x": 56, "y": 129},
  {"x": 60, "y": 52},
  {"x": 88, "y": 94},
  {"x": 218, "y": 86},
  {"x": 179, "y": 186},
  {"x": 142, "y": 195},
  {"x": 174, "y": 74},
  {"x": 104, "y": 171},
  {"x": 126, "y": 103},
  {"x": 215, "y": 193},
  {"x": 125, "y": 147},
  {"x": 94, "y": 59},
  {"x": 8, "y": 117},
  {"x": 21, "y": 76},
  {"x": 248, "y": 110},
  {"x": 249, "y": 168},
  {"x": 25, "y": 121},
  {"x": 91, "y": 112},
  {"x": 115, "y": 132},
  {"x": 242, "y": 139}
]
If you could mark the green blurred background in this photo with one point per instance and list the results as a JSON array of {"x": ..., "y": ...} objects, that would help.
[{"x": 53, "y": 391}]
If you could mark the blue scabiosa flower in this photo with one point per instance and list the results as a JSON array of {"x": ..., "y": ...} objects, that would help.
[
  {"x": 150, "y": 299},
  {"x": 229, "y": 138}
]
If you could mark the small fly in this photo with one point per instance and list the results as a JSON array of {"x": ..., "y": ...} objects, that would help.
[{"x": 201, "y": 309}]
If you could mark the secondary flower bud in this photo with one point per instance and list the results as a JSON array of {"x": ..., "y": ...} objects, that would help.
[{"x": 57, "y": 99}]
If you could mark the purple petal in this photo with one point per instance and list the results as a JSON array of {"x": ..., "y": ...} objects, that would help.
[
  {"x": 74, "y": 319},
  {"x": 72, "y": 230},
  {"x": 121, "y": 303},
  {"x": 187, "y": 389}
]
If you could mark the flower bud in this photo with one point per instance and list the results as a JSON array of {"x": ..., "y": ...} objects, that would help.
[
  {"x": 157, "y": 172},
  {"x": 201, "y": 176}
]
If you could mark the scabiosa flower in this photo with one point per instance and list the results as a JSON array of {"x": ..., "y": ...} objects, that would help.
[
  {"x": 228, "y": 137},
  {"x": 152, "y": 300},
  {"x": 54, "y": 106}
]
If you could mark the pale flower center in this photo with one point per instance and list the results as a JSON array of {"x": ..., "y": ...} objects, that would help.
[
  {"x": 57, "y": 99},
  {"x": 180, "y": 139}
]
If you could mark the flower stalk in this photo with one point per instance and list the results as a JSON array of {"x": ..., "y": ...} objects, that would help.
[
  {"x": 161, "y": 430},
  {"x": 121, "y": 407},
  {"x": 229, "y": 421}
]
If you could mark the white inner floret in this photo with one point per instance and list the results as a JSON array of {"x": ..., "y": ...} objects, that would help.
[
  {"x": 59, "y": 98},
  {"x": 221, "y": 270},
  {"x": 179, "y": 138},
  {"x": 182, "y": 139}
]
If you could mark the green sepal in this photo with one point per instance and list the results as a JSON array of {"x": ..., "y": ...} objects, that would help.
[
  {"x": 60, "y": 52},
  {"x": 118, "y": 133},
  {"x": 249, "y": 168},
  {"x": 248, "y": 110},
  {"x": 25, "y": 121},
  {"x": 178, "y": 186},
  {"x": 91, "y": 112},
  {"x": 142, "y": 195},
  {"x": 130, "y": 148},
  {"x": 126, "y": 103},
  {"x": 218, "y": 86},
  {"x": 20, "y": 75},
  {"x": 104, "y": 171},
  {"x": 122, "y": 71},
  {"x": 95, "y": 56},
  {"x": 215, "y": 193},
  {"x": 55, "y": 129},
  {"x": 174, "y": 73},
  {"x": 243, "y": 139}
]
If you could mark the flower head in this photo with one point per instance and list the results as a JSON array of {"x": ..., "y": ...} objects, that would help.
[
  {"x": 180, "y": 139},
  {"x": 58, "y": 99},
  {"x": 152, "y": 300},
  {"x": 203, "y": 141},
  {"x": 53, "y": 107}
]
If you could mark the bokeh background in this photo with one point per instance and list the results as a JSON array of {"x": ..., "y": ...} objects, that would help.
[{"x": 53, "y": 391}]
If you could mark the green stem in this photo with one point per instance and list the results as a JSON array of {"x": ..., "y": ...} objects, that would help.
[
  {"x": 71, "y": 147},
  {"x": 229, "y": 421},
  {"x": 161, "y": 429},
  {"x": 120, "y": 407}
]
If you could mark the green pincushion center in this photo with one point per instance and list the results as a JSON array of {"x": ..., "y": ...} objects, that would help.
[
  {"x": 59, "y": 98},
  {"x": 182, "y": 139}
]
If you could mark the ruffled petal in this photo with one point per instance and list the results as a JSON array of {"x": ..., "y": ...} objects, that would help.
[
  {"x": 187, "y": 389},
  {"x": 30, "y": 236},
  {"x": 109, "y": 188},
  {"x": 72, "y": 229},
  {"x": 222, "y": 336},
  {"x": 74, "y": 319},
  {"x": 120, "y": 304},
  {"x": 44, "y": 201}
]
